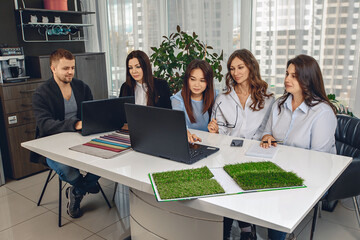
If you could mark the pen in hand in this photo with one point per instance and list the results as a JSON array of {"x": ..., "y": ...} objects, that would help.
[{"x": 272, "y": 141}]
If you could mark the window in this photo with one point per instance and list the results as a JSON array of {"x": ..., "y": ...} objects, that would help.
[
  {"x": 330, "y": 31},
  {"x": 324, "y": 29},
  {"x": 281, "y": 41}
]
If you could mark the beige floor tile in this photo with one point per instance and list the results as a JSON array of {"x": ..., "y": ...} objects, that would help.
[
  {"x": 17, "y": 185},
  {"x": 262, "y": 232},
  {"x": 343, "y": 214},
  {"x": 116, "y": 231},
  {"x": 329, "y": 231},
  {"x": 51, "y": 196},
  {"x": 96, "y": 213},
  {"x": 44, "y": 227},
  {"x": 15, "y": 209},
  {"x": 95, "y": 237},
  {"x": 5, "y": 191}
]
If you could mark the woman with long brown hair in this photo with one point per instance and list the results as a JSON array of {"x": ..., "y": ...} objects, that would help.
[
  {"x": 140, "y": 82},
  {"x": 243, "y": 109},
  {"x": 303, "y": 117},
  {"x": 196, "y": 97}
]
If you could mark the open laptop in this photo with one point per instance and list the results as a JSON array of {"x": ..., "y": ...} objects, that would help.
[
  {"x": 103, "y": 115},
  {"x": 162, "y": 132}
]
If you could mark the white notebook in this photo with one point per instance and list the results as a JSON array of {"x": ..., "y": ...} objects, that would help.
[{"x": 256, "y": 151}]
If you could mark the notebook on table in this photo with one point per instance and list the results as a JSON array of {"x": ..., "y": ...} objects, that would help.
[
  {"x": 256, "y": 151},
  {"x": 162, "y": 132},
  {"x": 103, "y": 115}
]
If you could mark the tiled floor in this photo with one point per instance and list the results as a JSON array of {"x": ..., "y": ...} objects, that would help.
[{"x": 20, "y": 218}]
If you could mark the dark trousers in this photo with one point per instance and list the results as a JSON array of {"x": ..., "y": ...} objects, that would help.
[
  {"x": 227, "y": 226},
  {"x": 272, "y": 234}
]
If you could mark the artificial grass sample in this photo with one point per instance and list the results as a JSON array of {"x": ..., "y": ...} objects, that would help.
[
  {"x": 186, "y": 183},
  {"x": 234, "y": 169},
  {"x": 189, "y": 189},
  {"x": 182, "y": 175},
  {"x": 260, "y": 180},
  {"x": 260, "y": 175}
]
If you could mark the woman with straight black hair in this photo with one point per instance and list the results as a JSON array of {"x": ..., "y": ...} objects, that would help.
[
  {"x": 140, "y": 82},
  {"x": 196, "y": 97}
]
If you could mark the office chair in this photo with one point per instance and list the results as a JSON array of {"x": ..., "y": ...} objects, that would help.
[
  {"x": 61, "y": 187},
  {"x": 348, "y": 184}
]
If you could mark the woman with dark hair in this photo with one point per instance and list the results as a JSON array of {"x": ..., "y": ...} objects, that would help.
[
  {"x": 196, "y": 97},
  {"x": 140, "y": 82},
  {"x": 242, "y": 111},
  {"x": 303, "y": 117}
]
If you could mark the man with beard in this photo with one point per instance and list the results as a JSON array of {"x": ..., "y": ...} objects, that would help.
[{"x": 57, "y": 108}]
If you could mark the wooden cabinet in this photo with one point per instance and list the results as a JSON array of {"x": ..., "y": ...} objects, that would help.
[
  {"x": 89, "y": 67},
  {"x": 17, "y": 125}
]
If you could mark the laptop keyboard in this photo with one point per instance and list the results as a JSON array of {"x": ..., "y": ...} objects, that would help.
[{"x": 194, "y": 150}]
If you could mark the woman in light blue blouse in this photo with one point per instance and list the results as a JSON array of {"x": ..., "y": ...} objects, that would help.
[
  {"x": 303, "y": 117},
  {"x": 196, "y": 97}
]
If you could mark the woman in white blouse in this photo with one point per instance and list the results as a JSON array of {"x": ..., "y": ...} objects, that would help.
[
  {"x": 303, "y": 117},
  {"x": 243, "y": 110}
]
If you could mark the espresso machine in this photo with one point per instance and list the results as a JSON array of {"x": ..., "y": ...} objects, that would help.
[{"x": 12, "y": 65}]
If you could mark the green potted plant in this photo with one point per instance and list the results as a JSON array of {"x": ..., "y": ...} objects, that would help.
[
  {"x": 340, "y": 109},
  {"x": 175, "y": 52}
]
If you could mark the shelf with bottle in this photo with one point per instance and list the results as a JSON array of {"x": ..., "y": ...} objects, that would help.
[{"x": 52, "y": 30}]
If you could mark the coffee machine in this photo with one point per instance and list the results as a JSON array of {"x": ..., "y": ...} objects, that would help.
[{"x": 12, "y": 65}]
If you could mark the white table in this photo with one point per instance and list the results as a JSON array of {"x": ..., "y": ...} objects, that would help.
[{"x": 281, "y": 210}]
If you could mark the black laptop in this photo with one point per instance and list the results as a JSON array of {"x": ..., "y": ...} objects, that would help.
[
  {"x": 162, "y": 132},
  {"x": 103, "y": 115}
]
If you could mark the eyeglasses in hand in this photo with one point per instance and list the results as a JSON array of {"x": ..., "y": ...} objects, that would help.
[{"x": 228, "y": 125}]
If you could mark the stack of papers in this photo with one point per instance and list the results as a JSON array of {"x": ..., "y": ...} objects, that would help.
[{"x": 256, "y": 151}]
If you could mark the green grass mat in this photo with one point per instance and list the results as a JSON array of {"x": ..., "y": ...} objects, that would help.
[
  {"x": 234, "y": 169},
  {"x": 260, "y": 175},
  {"x": 260, "y": 180},
  {"x": 182, "y": 175},
  {"x": 189, "y": 189},
  {"x": 186, "y": 183}
]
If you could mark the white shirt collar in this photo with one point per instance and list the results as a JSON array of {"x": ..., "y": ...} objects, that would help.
[{"x": 303, "y": 107}]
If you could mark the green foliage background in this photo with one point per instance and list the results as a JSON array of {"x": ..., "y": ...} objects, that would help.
[{"x": 176, "y": 52}]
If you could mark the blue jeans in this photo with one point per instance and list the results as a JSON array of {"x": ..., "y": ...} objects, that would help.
[
  {"x": 276, "y": 235},
  {"x": 73, "y": 176}
]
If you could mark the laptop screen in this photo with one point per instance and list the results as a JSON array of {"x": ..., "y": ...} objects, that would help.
[
  {"x": 158, "y": 131},
  {"x": 103, "y": 115}
]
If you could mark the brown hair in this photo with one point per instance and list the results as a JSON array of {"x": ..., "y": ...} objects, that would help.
[
  {"x": 310, "y": 79},
  {"x": 208, "y": 93},
  {"x": 59, "y": 54},
  {"x": 145, "y": 65},
  {"x": 258, "y": 87}
]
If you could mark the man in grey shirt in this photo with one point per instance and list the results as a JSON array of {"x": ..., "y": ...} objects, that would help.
[{"x": 57, "y": 108}]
